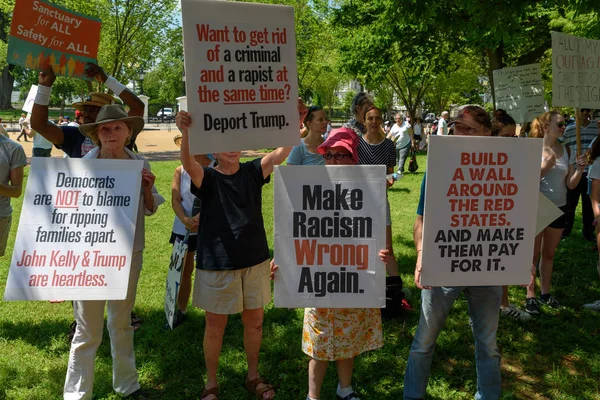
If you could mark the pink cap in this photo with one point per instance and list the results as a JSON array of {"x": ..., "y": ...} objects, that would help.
[{"x": 341, "y": 137}]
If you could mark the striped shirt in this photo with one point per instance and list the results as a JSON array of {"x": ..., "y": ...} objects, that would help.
[
  {"x": 382, "y": 153},
  {"x": 588, "y": 134}
]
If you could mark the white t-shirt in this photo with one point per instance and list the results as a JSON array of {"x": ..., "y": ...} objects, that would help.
[
  {"x": 442, "y": 127},
  {"x": 401, "y": 134}
]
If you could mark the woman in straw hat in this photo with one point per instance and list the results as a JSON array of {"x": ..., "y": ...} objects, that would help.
[{"x": 111, "y": 132}]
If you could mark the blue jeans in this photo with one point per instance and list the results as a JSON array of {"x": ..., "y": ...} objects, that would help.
[
  {"x": 401, "y": 156},
  {"x": 484, "y": 304}
]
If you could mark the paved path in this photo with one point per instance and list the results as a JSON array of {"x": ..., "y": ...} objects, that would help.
[{"x": 154, "y": 144}]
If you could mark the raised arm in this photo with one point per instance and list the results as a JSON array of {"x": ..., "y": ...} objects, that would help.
[
  {"x": 39, "y": 112},
  {"x": 274, "y": 158},
  {"x": 136, "y": 106},
  {"x": 193, "y": 168}
]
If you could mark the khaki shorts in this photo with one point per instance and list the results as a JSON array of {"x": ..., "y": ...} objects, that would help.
[
  {"x": 4, "y": 231},
  {"x": 231, "y": 292}
]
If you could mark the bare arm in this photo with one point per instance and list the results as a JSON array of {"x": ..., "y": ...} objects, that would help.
[
  {"x": 276, "y": 157},
  {"x": 39, "y": 113},
  {"x": 595, "y": 197},
  {"x": 418, "y": 239},
  {"x": 176, "y": 204},
  {"x": 15, "y": 187},
  {"x": 574, "y": 175},
  {"x": 193, "y": 168}
]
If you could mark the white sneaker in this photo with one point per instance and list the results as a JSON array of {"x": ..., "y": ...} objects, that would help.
[
  {"x": 595, "y": 306},
  {"x": 513, "y": 312}
]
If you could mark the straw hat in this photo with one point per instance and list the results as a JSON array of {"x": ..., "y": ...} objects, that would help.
[
  {"x": 95, "y": 99},
  {"x": 111, "y": 113}
]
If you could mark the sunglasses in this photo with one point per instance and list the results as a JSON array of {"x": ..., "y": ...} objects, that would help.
[
  {"x": 561, "y": 124},
  {"x": 337, "y": 156}
]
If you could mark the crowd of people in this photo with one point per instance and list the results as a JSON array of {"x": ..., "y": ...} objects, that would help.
[{"x": 217, "y": 204}]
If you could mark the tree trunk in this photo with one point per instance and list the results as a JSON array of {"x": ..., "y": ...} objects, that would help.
[
  {"x": 495, "y": 61},
  {"x": 6, "y": 87}
]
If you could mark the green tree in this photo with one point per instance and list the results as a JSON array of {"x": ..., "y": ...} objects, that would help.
[{"x": 164, "y": 82}]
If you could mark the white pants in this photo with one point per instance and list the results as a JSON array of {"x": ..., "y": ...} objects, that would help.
[{"x": 89, "y": 315}]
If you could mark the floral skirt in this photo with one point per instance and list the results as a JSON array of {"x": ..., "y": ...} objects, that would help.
[{"x": 331, "y": 334}]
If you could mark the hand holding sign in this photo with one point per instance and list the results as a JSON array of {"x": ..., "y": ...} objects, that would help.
[
  {"x": 94, "y": 71},
  {"x": 47, "y": 77}
]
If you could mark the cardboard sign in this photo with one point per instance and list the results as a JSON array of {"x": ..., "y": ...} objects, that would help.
[
  {"x": 575, "y": 71},
  {"x": 76, "y": 230},
  {"x": 45, "y": 34},
  {"x": 520, "y": 91},
  {"x": 480, "y": 210},
  {"x": 180, "y": 248},
  {"x": 241, "y": 75},
  {"x": 329, "y": 229},
  {"x": 28, "y": 105}
]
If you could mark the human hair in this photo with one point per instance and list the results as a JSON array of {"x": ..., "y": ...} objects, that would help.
[
  {"x": 537, "y": 126},
  {"x": 500, "y": 122},
  {"x": 479, "y": 115},
  {"x": 310, "y": 115},
  {"x": 96, "y": 140},
  {"x": 371, "y": 109},
  {"x": 359, "y": 100}
]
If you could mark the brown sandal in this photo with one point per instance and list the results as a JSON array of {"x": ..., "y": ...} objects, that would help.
[
  {"x": 252, "y": 386},
  {"x": 207, "y": 392}
]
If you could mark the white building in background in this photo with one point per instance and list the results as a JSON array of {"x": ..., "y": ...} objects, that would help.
[{"x": 351, "y": 86}]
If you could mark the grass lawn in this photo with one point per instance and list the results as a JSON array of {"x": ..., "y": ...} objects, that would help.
[{"x": 556, "y": 356}]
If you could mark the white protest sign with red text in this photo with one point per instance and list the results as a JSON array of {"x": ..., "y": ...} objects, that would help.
[
  {"x": 575, "y": 71},
  {"x": 480, "y": 210},
  {"x": 241, "y": 75},
  {"x": 329, "y": 229},
  {"x": 76, "y": 230}
]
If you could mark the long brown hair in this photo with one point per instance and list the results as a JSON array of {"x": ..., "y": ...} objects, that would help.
[{"x": 537, "y": 126}]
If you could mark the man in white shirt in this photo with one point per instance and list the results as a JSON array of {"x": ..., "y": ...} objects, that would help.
[
  {"x": 442, "y": 124},
  {"x": 401, "y": 133}
]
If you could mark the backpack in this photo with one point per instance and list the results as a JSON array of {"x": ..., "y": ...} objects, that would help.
[{"x": 413, "y": 166}]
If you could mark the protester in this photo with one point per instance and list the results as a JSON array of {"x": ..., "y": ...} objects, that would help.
[
  {"x": 306, "y": 152},
  {"x": 68, "y": 138},
  {"x": 594, "y": 176},
  {"x": 3, "y": 129},
  {"x": 338, "y": 334},
  {"x": 232, "y": 256},
  {"x": 41, "y": 146},
  {"x": 504, "y": 125},
  {"x": 373, "y": 149},
  {"x": 558, "y": 173},
  {"x": 442, "y": 125},
  {"x": 23, "y": 124},
  {"x": 436, "y": 302},
  {"x": 78, "y": 119},
  {"x": 589, "y": 131},
  {"x": 111, "y": 133},
  {"x": 417, "y": 132},
  {"x": 401, "y": 134},
  {"x": 360, "y": 103},
  {"x": 12, "y": 163},
  {"x": 182, "y": 202}
]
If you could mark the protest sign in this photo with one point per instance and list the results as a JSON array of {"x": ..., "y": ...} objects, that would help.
[
  {"x": 329, "y": 229},
  {"x": 241, "y": 75},
  {"x": 75, "y": 235},
  {"x": 178, "y": 255},
  {"x": 520, "y": 91},
  {"x": 575, "y": 71},
  {"x": 547, "y": 212},
  {"x": 28, "y": 105},
  {"x": 480, "y": 210},
  {"x": 43, "y": 34}
]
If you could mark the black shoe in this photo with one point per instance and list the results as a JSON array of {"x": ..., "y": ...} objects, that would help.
[
  {"x": 550, "y": 302},
  {"x": 532, "y": 306},
  {"x": 139, "y": 394}
]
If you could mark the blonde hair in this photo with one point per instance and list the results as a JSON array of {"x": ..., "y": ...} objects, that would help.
[{"x": 537, "y": 126}]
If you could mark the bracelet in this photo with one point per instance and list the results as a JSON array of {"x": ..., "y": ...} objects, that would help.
[
  {"x": 114, "y": 85},
  {"x": 42, "y": 96}
]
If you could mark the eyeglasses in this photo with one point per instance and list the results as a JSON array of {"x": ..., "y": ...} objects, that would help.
[
  {"x": 561, "y": 124},
  {"x": 337, "y": 156}
]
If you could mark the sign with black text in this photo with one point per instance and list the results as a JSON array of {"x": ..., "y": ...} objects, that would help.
[
  {"x": 329, "y": 229},
  {"x": 520, "y": 92},
  {"x": 241, "y": 75},
  {"x": 75, "y": 235},
  {"x": 480, "y": 210}
]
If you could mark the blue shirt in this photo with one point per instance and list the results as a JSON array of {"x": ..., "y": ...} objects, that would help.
[
  {"x": 301, "y": 156},
  {"x": 421, "y": 206}
]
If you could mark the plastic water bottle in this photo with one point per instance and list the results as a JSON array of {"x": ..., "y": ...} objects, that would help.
[{"x": 392, "y": 177}]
